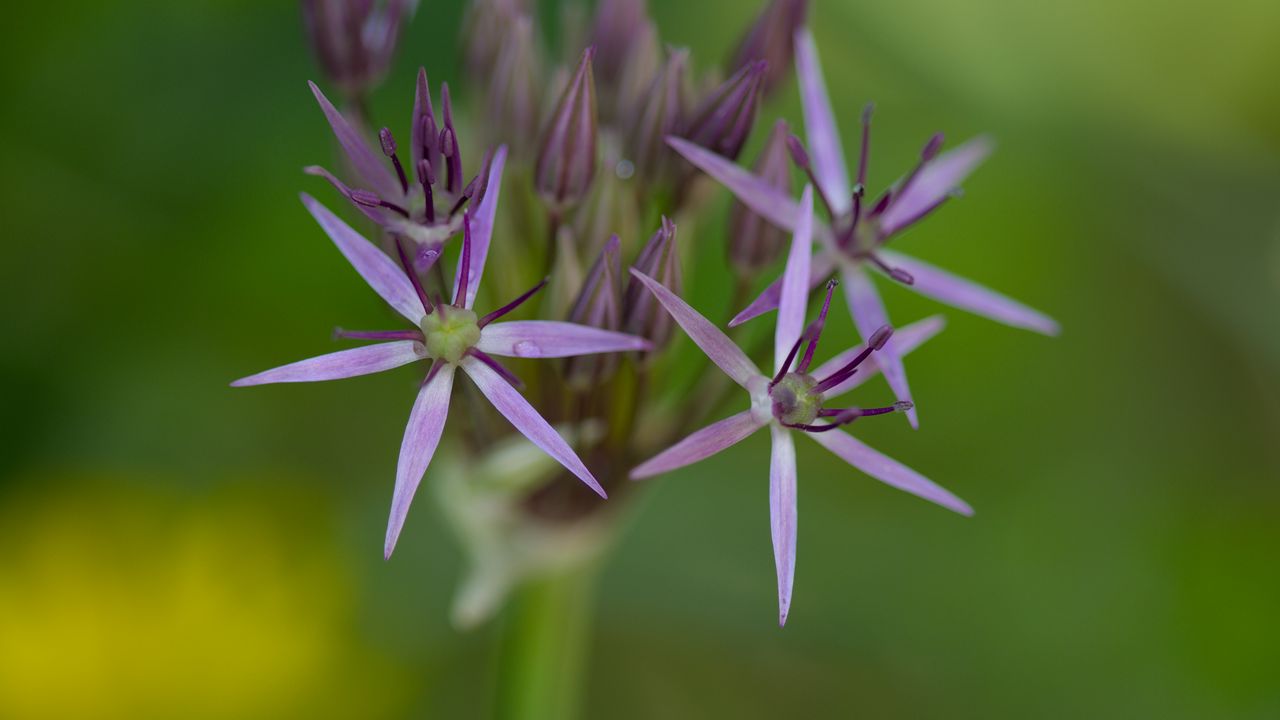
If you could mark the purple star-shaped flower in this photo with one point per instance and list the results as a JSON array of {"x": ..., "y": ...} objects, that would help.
[
  {"x": 854, "y": 240},
  {"x": 793, "y": 399},
  {"x": 452, "y": 337}
]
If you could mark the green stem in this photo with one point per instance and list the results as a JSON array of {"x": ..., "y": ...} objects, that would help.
[{"x": 544, "y": 644}]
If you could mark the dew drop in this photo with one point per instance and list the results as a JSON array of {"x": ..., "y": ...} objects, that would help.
[{"x": 526, "y": 348}]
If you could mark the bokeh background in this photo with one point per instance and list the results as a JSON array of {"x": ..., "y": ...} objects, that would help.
[{"x": 170, "y": 547}]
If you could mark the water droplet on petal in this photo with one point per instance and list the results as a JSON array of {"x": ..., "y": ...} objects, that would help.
[{"x": 526, "y": 348}]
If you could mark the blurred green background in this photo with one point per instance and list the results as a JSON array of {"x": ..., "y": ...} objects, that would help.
[{"x": 170, "y": 547}]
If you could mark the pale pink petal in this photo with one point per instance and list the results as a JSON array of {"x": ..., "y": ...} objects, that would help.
[
  {"x": 482, "y": 220},
  {"x": 421, "y": 436},
  {"x": 967, "y": 295},
  {"x": 825, "y": 151},
  {"x": 820, "y": 268},
  {"x": 869, "y": 315},
  {"x": 935, "y": 180},
  {"x": 383, "y": 275},
  {"x": 700, "y": 445},
  {"x": 753, "y": 191},
  {"x": 372, "y": 167},
  {"x": 907, "y": 339},
  {"x": 722, "y": 351},
  {"x": 887, "y": 470},
  {"x": 782, "y": 513},
  {"x": 512, "y": 406},
  {"x": 342, "y": 364},
  {"x": 794, "y": 296},
  {"x": 553, "y": 339}
]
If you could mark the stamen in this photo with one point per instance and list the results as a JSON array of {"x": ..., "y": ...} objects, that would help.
[
  {"x": 506, "y": 374},
  {"x": 389, "y": 149},
  {"x": 846, "y": 416},
  {"x": 877, "y": 341},
  {"x": 786, "y": 364},
  {"x": 800, "y": 157},
  {"x": 368, "y": 199},
  {"x": 453, "y": 156},
  {"x": 413, "y": 276},
  {"x": 427, "y": 178},
  {"x": 467, "y": 193},
  {"x": 814, "y": 331},
  {"x": 464, "y": 270},
  {"x": 953, "y": 193},
  {"x": 866, "y": 145},
  {"x": 898, "y": 274},
  {"x": 341, "y": 334},
  {"x": 928, "y": 153},
  {"x": 513, "y": 304}
]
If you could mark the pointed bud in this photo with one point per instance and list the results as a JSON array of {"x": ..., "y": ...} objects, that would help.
[
  {"x": 566, "y": 161},
  {"x": 658, "y": 117},
  {"x": 799, "y": 155},
  {"x": 631, "y": 91},
  {"x": 723, "y": 121},
  {"x": 355, "y": 41},
  {"x": 753, "y": 241},
  {"x": 512, "y": 101},
  {"x": 617, "y": 26},
  {"x": 598, "y": 304},
  {"x": 772, "y": 38},
  {"x": 641, "y": 314},
  {"x": 484, "y": 30}
]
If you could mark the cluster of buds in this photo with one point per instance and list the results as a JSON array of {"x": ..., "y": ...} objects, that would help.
[{"x": 613, "y": 159}]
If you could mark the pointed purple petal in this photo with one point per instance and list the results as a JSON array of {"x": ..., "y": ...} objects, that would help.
[
  {"x": 383, "y": 275},
  {"x": 793, "y": 298},
  {"x": 782, "y": 513},
  {"x": 718, "y": 347},
  {"x": 935, "y": 180},
  {"x": 512, "y": 405},
  {"x": 371, "y": 166},
  {"x": 753, "y": 191},
  {"x": 482, "y": 227},
  {"x": 907, "y": 339},
  {"x": 825, "y": 149},
  {"x": 887, "y": 470},
  {"x": 553, "y": 339},
  {"x": 956, "y": 291},
  {"x": 421, "y": 436},
  {"x": 700, "y": 445},
  {"x": 343, "y": 364},
  {"x": 377, "y": 214},
  {"x": 869, "y": 315},
  {"x": 820, "y": 268}
]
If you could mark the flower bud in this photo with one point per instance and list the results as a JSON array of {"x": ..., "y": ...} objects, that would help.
[
  {"x": 772, "y": 38},
  {"x": 753, "y": 241},
  {"x": 354, "y": 40},
  {"x": 484, "y": 31},
  {"x": 723, "y": 120},
  {"x": 598, "y": 304},
  {"x": 659, "y": 116},
  {"x": 631, "y": 91},
  {"x": 512, "y": 97},
  {"x": 566, "y": 162},
  {"x": 641, "y": 313},
  {"x": 618, "y": 25}
]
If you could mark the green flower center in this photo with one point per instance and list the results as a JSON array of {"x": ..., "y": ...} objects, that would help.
[
  {"x": 794, "y": 401},
  {"x": 450, "y": 332}
]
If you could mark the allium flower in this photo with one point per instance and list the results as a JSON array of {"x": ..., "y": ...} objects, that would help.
[
  {"x": 452, "y": 337},
  {"x": 355, "y": 39},
  {"x": 421, "y": 202},
  {"x": 854, "y": 240},
  {"x": 793, "y": 400}
]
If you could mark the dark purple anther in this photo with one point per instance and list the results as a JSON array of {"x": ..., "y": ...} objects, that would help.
[
  {"x": 772, "y": 38},
  {"x": 449, "y": 145},
  {"x": 566, "y": 162},
  {"x": 369, "y": 199},
  {"x": 389, "y": 149},
  {"x": 814, "y": 331},
  {"x": 800, "y": 156},
  {"x": 874, "y": 343}
]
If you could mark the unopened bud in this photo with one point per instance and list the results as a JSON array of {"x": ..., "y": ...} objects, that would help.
[
  {"x": 355, "y": 41},
  {"x": 658, "y": 117},
  {"x": 772, "y": 38},
  {"x": 641, "y": 314},
  {"x": 598, "y": 304},
  {"x": 618, "y": 25},
  {"x": 512, "y": 97},
  {"x": 566, "y": 162},
  {"x": 799, "y": 155},
  {"x": 755, "y": 242},
  {"x": 723, "y": 121}
]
